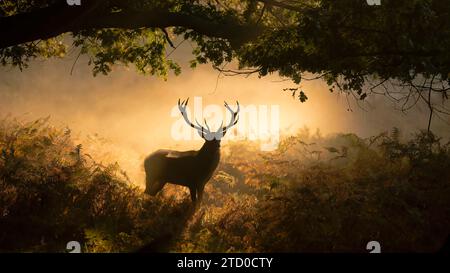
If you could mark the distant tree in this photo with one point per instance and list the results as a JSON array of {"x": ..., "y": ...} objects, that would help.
[{"x": 399, "y": 48}]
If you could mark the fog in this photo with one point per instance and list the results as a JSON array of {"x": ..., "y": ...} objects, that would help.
[{"x": 133, "y": 112}]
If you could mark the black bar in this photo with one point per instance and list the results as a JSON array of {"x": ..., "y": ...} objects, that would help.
[{"x": 218, "y": 262}]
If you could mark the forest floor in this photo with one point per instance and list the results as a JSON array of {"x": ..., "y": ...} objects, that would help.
[{"x": 313, "y": 194}]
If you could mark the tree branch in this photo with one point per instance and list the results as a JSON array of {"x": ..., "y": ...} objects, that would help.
[
  {"x": 281, "y": 5},
  {"x": 58, "y": 19}
]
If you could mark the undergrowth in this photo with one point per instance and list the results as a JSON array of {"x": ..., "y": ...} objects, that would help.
[{"x": 313, "y": 194}]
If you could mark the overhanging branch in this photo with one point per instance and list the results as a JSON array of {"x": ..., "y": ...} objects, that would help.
[{"x": 58, "y": 19}]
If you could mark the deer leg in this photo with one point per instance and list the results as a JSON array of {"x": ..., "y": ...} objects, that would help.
[
  {"x": 193, "y": 193},
  {"x": 153, "y": 187},
  {"x": 200, "y": 192}
]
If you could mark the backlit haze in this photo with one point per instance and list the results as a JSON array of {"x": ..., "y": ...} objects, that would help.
[{"x": 134, "y": 115}]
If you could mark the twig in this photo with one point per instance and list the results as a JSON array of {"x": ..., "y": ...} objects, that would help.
[
  {"x": 167, "y": 37},
  {"x": 73, "y": 65}
]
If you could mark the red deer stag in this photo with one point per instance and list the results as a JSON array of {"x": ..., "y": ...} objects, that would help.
[{"x": 191, "y": 169}]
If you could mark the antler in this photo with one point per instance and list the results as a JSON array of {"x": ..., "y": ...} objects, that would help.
[
  {"x": 207, "y": 131},
  {"x": 234, "y": 117},
  {"x": 182, "y": 107}
]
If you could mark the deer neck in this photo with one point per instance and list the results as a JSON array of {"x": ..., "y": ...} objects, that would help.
[{"x": 209, "y": 150}]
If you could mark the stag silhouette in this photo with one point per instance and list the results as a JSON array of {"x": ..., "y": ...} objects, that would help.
[{"x": 192, "y": 169}]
